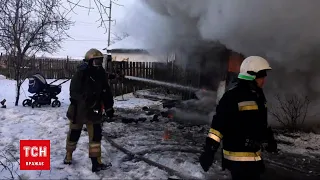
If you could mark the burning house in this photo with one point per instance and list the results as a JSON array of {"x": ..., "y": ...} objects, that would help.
[
  {"x": 271, "y": 29},
  {"x": 132, "y": 49},
  {"x": 215, "y": 63}
]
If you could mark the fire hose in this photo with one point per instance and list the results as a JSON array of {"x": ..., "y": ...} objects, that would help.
[
  {"x": 161, "y": 83},
  {"x": 140, "y": 157}
]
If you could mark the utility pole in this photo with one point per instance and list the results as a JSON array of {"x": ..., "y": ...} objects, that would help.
[
  {"x": 108, "y": 67},
  {"x": 109, "y": 19}
]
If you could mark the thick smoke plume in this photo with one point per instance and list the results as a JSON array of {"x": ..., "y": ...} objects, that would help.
[
  {"x": 281, "y": 30},
  {"x": 286, "y": 32}
]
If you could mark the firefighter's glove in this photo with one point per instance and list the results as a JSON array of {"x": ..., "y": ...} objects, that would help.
[
  {"x": 272, "y": 146},
  {"x": 206, "y": 159},
  {"x": 109, "y": 112}
]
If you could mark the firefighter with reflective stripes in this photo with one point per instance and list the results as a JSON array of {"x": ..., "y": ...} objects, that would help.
[
  {"x": 89, "y": 93},
  {"x": 241, "y": 124}
]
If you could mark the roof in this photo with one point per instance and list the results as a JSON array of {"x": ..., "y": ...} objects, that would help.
[
  {"x": 129, "y": 43},
  {"x": 55, "y": 57}
]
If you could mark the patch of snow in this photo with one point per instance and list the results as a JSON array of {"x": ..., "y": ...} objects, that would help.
[
  {"x": 145, "y": 138},
  {"x": 302, "y": 143},
  {"x": 17, "y": 123},
  {"x": 60, "y": 57},
  {"x": 186, "y": 163},
  {"x": 2, "y": 77},
  {"x": 129, "y": 101},
  {"x": 156, "y": 94}
]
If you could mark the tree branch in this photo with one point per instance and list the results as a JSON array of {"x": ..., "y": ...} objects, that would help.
[
  {"x": 8, "y": 165},
  {"x": 31, "y": 26},
  {"x": 291, "y": 111},
  {"x": 102, "y": 8}
]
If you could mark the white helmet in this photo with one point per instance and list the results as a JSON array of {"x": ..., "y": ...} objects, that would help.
[{"x": 251, "y": 66}]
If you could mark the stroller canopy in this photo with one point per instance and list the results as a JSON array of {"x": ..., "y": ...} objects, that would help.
[
  {"x": 40, "y": 78},
  {"x": 36, "y": 83}
]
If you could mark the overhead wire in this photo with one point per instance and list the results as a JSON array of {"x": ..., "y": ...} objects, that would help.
[{"x": 92, "y": 40}]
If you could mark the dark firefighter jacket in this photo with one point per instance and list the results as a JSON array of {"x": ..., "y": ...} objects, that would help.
[
  {"x": 241, "y": 122},
  {"x": 89, "y": 92}
]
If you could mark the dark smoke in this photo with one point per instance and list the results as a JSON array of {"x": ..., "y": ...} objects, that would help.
[
  {"x": 286, "y": 32},
  {"x": 271, "y": 28}
]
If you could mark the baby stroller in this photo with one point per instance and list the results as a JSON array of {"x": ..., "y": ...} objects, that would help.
[{"x": 43, "y": 92}]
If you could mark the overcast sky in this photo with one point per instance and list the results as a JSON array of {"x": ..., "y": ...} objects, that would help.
[{"x": 86, "y": 32}]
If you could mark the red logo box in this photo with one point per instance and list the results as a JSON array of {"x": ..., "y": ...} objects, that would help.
[{"x": 34, "y": 154}]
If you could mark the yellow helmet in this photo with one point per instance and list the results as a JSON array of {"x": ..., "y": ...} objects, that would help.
[{"x": 93, "y": 54}]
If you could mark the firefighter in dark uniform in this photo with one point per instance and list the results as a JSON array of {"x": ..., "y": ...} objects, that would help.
[
  {"x": 241, "y": 124},
  {"x": 89, "y": 93}
]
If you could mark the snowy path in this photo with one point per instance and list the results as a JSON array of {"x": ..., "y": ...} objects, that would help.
[
  {"x": 18, "y": 123},
  {"x": 180, "y": 152},
  {"x": 276, "y": 172},
  {"x": 151, "y": 145},
  {"x": 50, "y": 123},
  {"x": 144, "y": 138}
]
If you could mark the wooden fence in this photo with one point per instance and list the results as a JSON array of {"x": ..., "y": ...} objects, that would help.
[
  {"x": 62, "y": 69},
  {"x": 167, "y": 72},
  {"x": 50, "y": 68}
]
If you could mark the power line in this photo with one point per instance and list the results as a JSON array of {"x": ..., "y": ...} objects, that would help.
[
  {"x": 89, "y": 40},
  {"x": 84, "y": 22},
  {"x": 91, "y": 10},
  {"x": 80, "y": 37},
  {"x": 117, "y": 4}
]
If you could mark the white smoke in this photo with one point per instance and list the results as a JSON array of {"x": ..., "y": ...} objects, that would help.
[
  {"x": 286, "y": 32},
  {"x": 280, "y": 30}
]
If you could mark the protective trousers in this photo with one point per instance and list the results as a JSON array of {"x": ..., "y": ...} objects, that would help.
[
  {"x": 245, "y": 170},
  {"x": 94, "y": 131},
  {"x": 240, "y": 175}
]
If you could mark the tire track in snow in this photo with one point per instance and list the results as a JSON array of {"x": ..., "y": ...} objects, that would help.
[
  {"x": 170, "y": 171},
  {"x": 283, "y": 170},
  {"x": 143, "y": 141}
]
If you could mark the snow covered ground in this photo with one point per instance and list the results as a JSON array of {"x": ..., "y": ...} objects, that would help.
[
  {"x": 143, "y": 138},
  {"x": 20, "y": 122},
  {"x": 300, "y": 143}
]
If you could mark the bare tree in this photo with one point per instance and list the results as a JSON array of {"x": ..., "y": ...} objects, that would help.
[
  {"x": 28, "y": 27},
  {"x": 9, "y": 165},
  {"x": 290, "y": 111},
  {"x": 118, "y": 37},
  {"x": 103, "y": 8}
]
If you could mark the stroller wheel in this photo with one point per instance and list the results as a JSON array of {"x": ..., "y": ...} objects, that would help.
[
  {"x": 27, "y": 102},
  {"x": 56, "y": 103},
  {"x": 35, "y": 104}
]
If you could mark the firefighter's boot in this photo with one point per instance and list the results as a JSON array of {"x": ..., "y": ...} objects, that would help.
[
  {"x": 68, "y": 158},
  {"x": 97, "y": 165}
]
